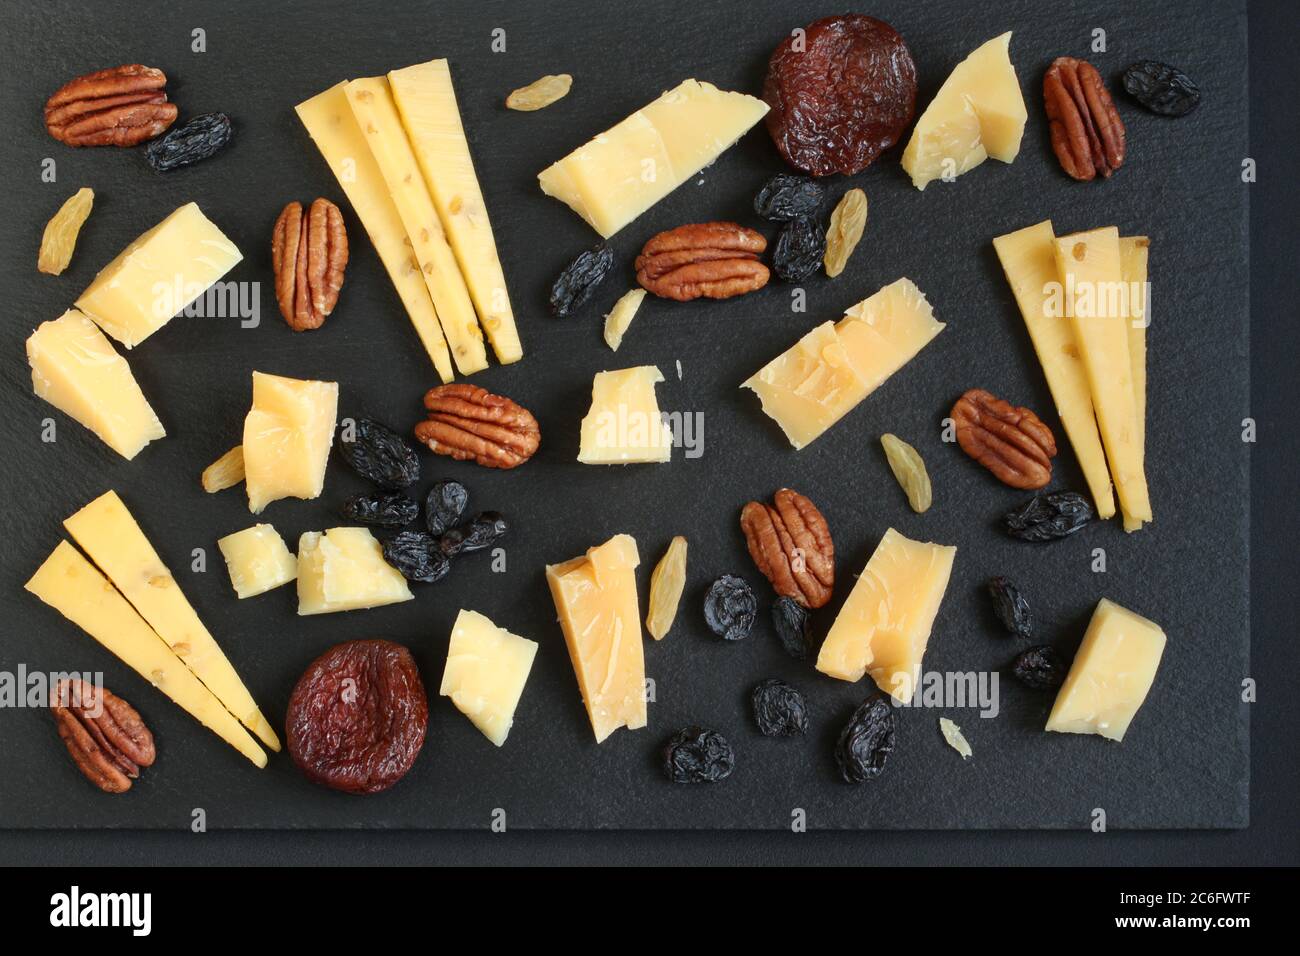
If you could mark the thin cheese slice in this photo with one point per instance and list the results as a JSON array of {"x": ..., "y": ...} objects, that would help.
[
  {"x": 624, "y": 424},
  {"x": 1133, "y": 271},
  {"x": 486, "y": 670},
  {"x": 69, "y": 583}
]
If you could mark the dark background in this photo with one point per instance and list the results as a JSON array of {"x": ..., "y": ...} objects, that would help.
[{"x": 1273, "y": 754}]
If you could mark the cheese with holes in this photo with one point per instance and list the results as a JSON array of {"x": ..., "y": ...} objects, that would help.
[
  {"x": 1111, "y": 676},
  {"x": 978, "y": 112},
  {"x": 334, "y": 130},
  {"x": 1133, "y": 273},
  {"x": 258, "y": 560},
  {"x": 1028, "y": 258},
  {"x": 487, "y": 668},
  {"x": 885, "y": 624},
  {"x": 287, "y": 437},
  {"x": 595, "y": 596},
  {"x": 158, "y": 276},
  {"x": 624, "y": 424},
  {"x": 68, "y": 583},
  {"x": 75, "y": 369},
  {"x": 426, "y": 101},
  {"x": 343, "y": 569},
  {"x": 634, "y": 164},
  {"x": 823, "y": 376}
]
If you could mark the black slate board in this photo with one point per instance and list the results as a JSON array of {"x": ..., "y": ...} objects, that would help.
[{"x": 1185, "y": 762}]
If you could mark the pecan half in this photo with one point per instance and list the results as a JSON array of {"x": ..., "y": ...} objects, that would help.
[
  {"x": 309, "y": 254},
  {"x": 105, "y": 735},
  {"x": 791, "y": 543},
  {"x": 1087, "y": 133},
  {"x": 714, "y": 260},
  {"x": 471, "y": 424},
  {"x": 1011, "y": 442},
  {"x": 120, "y": 106}
]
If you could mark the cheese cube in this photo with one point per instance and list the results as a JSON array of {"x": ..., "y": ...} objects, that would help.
[
  {"x": 1111, "y": 675},
  {"x": 75, "y": 369},
  {"x": 343, "y": 569},
  {"x": 885, "y": 624},
  {"x": 624, "y": 424},
  {"x": 487, "y": 668},
  {"x": 258, "y": 560},
  {"x": 595, "y": 596},
  {"x": 159, "y": 275},
  {"x": 287, "y": 437}
]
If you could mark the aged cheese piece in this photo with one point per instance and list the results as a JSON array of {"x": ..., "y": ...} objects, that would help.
[
  {"x": 343, "y": 569},
  {"x": 1088, "y": 264},
  {"x": 372, "y": 105},
  {"x": 978, "y": 112},
  {"x": 624, "y": 424},
  {"x": 334, "y": 129},
  {"x": 487, "y": 668},
  {"x": 1111, "y": 674},
  {"x": 426, "y": 101},
  {"x": 620, "y": 317},
  {"x": 258, "y": 560},
  {"x": 75, "y": 369},
  {"x": 158, "y": 275},
  {"x": 109, "y": 535},
  {"x": 885, "y": 624},
  {"x": 824, "y": 375},
  {"x": 595, "y": 596},
  {"x": 68, "y": 583},
  {"x": 1028, "y": 258},
  {"x": 1133, "y": 272},
  {"x": 630, "y": 167},
  {"x": 287, "y": 437}
]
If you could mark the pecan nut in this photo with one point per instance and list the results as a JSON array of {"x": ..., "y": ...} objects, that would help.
[
  {"x": 471, "y": 424},
  {"x": 309, "y": 255},
  {"x": 1011, "y": 442},
  {"x": 1087, "y": 133},
  {"x": 791, "y": 543},
  {"x": 105, "y": 736},
  {"x": 714, "y": 260},
  {"x": 120, "y": 106}
]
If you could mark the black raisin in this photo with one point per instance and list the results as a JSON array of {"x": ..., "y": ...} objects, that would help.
[
  {"x": 867, "y": 740},
  {"x": 779, "y": 709},
  {"x": 1039, "y": 667},
  {"x": 696, "y": 755},
  {"x": 800, "y": 246},
  {"x": 579, "y": 280},
  {"x": 730, "y": 607},
  {"x": 1049, "y": 517},
  {"x": 793, "y": 623},
  {"x": 417, "y": 556},
  {"x": 1161, "y": 88},
  {"x": 483, "y": 531},
  {"x": 384, "y": 509},
  {"x": 380, "y": 455},
  {"x": 787, "y": 196},
  {"x": 1011, "y": 608},
  {"x": 444, "y": 505},
  {"x": 196, "y": 140}
]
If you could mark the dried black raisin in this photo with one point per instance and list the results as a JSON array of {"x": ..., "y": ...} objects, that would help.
[
  {"x": 416, "y": 555},
  {"x": 1011, "y": 608},
  {"x": 1161, "y": 88},
  {"x": 1049, "y": 517},
  {"x": 196, "y": 140},
  {"x": 696, "y": 755},
  {"x": 379, "y": 454},
  {"x": 444, "y": 505},
  {"x": 793, "y": 623},
  {"x": 779, "y": 709},
  {"x": 729, "y": 608},
  {"x": 483, "y": 531},
  {"x": 800, "y": 246},
  {"x": 787, "y": 196},
  {"x": 867, "y": 740},
  {"x": 1039, "y": 667},
  {"x": 383, "y": 509},
  {"x": 579, "y": 280}
]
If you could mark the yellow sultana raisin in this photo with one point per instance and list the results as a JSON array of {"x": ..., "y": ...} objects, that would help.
[
  {"x": 848, "y": 222},
  {"x": 61, "y": 232},
  {"x": 906, "y": 464},
  {"x": 666, "y": 586},
  {"x": 540, "y": 93},
  {"x": 226, "y": 472}
]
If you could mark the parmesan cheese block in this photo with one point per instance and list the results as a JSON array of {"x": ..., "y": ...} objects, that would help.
[
  {"x": 595, "y": 596},
  {"x": 75, "y": 369},
  {"x": 158, "y": 276},
  {"x": 885, "y": 624},
  {"x": 343, "y": 569},
  {"x": 1133, "y": 272},
  {"x": 68, "y": 583},
  {"x": 258, "y": 560},
  {"x": 487, "y": 668},
  {"x": 624, "y": 424},
  {"x": 287, "y": 437}
]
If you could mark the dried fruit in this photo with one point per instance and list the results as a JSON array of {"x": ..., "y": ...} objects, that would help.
[
  {"x": 308, "y": 255},
  {"x": 867, "y": 740},
  {"x": 120, "y": 106},
  {"x": 729, "y": 608},
  {"x": 841, "y": 92},
  {"x": 791, "y": 544},
  {"x": 1087, "y": 133},
  {"x": 444, "y": 505},
  {"x": 579, "y": 280},
  {"x": 621, "y": 316},
  {"x": 666, "y": 585},
  {"x": 800, "y": 246},
  {"x": 787, "y": 196},
  {"x": 226, "y": 472},
  {"x": 909, "y": 469},
  {"x": 199, "y": 139},
  {"x": 956, "y": 740},
  {"x": 696, "y": 755},
  {"x": 379, "y": 455},
  {"x": 848, "y": 222},
  {"x": 793, "y": 624},
  {"x": 1039, "y": 667},
  {"x": 483, "y": 531},
  {"x": 540, "y": 93},
  {"x": 60, "y": 236},
  {"x": 417, "y": 556},
  {"x": 1011, "y": 608},
  {"x": 779, "y": 709},
  {"x": 1049, "y": 517},
  {"x": 471, "y": 424},
  {"x": 1161, "y": 88},
  {"x": 105, "y": 736},
  {"x": 382, "y": 509},
  {"x": 714, "y": 260},
  {"x": 1011, "y": 442}
]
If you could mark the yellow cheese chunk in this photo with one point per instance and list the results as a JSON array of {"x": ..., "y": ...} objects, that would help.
[
  {"x": 823, "y": 376},
  {"x": 343, "y": 569},
  {"x": 624, "y": 424},
  {"x": 487, "y": 668},
  {"x": 287, "y": 437},
  {"x": 1133, "y": 272},
  {"x": 426, "y": 101},
  {"x": 372, "y": 105},
  {"x": 75, "y": 369},
  {"x": 595, "y": 596},
  {"x": 1028, "y": 258},
  {"x": 1111, "y": 674},
  {"x": 158, "y": 275},
  {"x": 258, "y": 560},
  {"x": 68, "y": 583},
  {"x": 634, "y": 164},
  {"x": 885, "y": 624},
  {"x": 620, "y": 317},
  {"x": 334, "y": 130}
]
